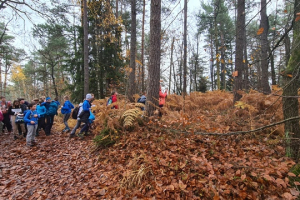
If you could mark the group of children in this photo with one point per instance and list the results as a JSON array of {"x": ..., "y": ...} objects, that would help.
[{"x": 28, "y": 119}]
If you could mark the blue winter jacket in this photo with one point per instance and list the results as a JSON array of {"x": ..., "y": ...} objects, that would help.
[
  {"x": 67, "y": 107},
  {"x": 41, "y": 110},
  {"x": 29, "y": 116}
]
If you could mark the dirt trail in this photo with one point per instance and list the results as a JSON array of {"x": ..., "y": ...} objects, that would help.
[{"x": 57, "y": 168}]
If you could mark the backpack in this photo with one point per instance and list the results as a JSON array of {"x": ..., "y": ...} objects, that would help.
[
  {"x": 75, "y": 112},
  {"x": 52, "y": 108},
  {"x": 109, "y": 101}
]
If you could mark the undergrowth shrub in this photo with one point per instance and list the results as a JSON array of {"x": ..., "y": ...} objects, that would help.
[{"x": 106, "y": 138}]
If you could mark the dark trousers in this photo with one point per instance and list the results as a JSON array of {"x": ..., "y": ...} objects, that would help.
[
  {"x": 41, "y": 124},
  {"x": 7, "y": 123},
  {"x": 49, "y": 123},
  {"x": 86, "y": 127}
]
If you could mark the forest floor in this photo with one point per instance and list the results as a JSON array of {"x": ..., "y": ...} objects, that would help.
[{"x": 164, "y": 159}]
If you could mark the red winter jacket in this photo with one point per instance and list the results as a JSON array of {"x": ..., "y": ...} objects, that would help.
[
  {"x": 162, "y": 97},
  {"x": 114, "y": 99}
]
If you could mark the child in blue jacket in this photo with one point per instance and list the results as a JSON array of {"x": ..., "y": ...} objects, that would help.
[
  {"x": 31, "y": 121},
  {"x": 41, "y": 110},
  {"x": 66, "y": 111}
]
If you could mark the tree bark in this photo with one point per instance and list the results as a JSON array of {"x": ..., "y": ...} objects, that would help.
[
  {"x": 290, "y": 88},
  {"x": 239, "y": 65},
  {"x": 143, "y": 41},
  {"x": 185, "y": 49},
  {"x": 132, "y": 83},
  {"x": 171, "y": 63},
  {"x": 85, "y": 47},
  {"x": 154, "y": 58},
  {"x": 264, "y": 49}
]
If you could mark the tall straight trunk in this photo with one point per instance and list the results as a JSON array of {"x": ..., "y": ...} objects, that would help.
[
  {"x": 85, "y": 49},
  {"x": 143, "y": 41},
  {"x": 216, "y": 6},
  {"x": 264, "y": 49},
  {"x": 211, "y": 61},
  {"x": 185, "y": 49},
  {"x": 246, "y": 71},
  {"x": 196, "y": 63},
  {"x": 239, "y": 65},
  {"x": 290, "y": 93},
  {"x": 171, "y": 63},
  {"x": 117, "y": 8},
  {"x": 175, "y": 81},
  {"x": 223, "y": 70},
  {"x": 287, "y": 47},
  {"x": 53, "y": 81},
  {"x": 273, "y": 74},
  {"x": 154, "y": 57},
  {"x": 132, "y": 83}
]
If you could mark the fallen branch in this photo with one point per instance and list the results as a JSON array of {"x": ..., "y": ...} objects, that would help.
[{"x": 238, "y": 132}]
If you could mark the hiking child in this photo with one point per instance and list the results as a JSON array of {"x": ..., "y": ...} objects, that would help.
[
  {"x": 41, "y": 110},
  {"x": 162, "y": 97},
  {"x": 83, "y": 116},
  {"x": 15, "y": 112},
  {"x": 142, "y": 99},
  {"x": 114, "y": 99},
  {"x": 66, "y": 111},
  {"x": 51, "y": 108},
  {"x": 24, "y": 109},
  {"x": 6, "y": 118},
  {"x": 31, "y": 120},
  {"x": 56, "y": 101}
]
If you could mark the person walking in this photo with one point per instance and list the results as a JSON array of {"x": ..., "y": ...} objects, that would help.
[
  {"x": 31, "y": 120},
  {"x": 24, "y": 109},
  {"x": 18, "y": 126},
  {"x": 114, "y": 99},
  {"x": 66, "y": 111},
  {"x": 51, "y": 108},
  {"x": 162, "y": 97},
  {"x": 83, "y": 116},
  {"x": 41, "y": 110},
  {"x": 6, "y": 118}
]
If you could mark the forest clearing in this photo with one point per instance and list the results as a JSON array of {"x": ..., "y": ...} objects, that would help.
[{"x": 166, "y": 158}]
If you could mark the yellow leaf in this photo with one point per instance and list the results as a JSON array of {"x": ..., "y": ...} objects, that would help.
[
  {"x": 244, "y": 61},
  {"x": 222, "y": 61},
  {"x": 260, "y": 31}
]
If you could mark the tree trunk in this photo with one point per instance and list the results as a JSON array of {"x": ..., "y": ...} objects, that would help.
[
  {"x": 143, "y": 41},
  {"x": 273, "y": 74},
  {"x": 196, "y": 63},
  {"x": 132, "y": 83},
  {"x": 171, "y": 63},
  {"x": 290, "y": 103},
  {"x": 223, "y": 70},
  {"x": 185, "y": 49},
  {"x": 211, "y": 61},
  {"x": 246, "y": 71},
  {"x": 239, "y": 65},
  {"x": 85, "y": 47},
  {"x": 264, "y": 49},
  {"x": 154, "y": 57}
]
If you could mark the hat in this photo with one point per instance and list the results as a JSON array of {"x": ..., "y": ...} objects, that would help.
[
  {"x": 88, "y": 96},
  {"x": 48, "y": 98},
  {"x": 36, "y": 99}
]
